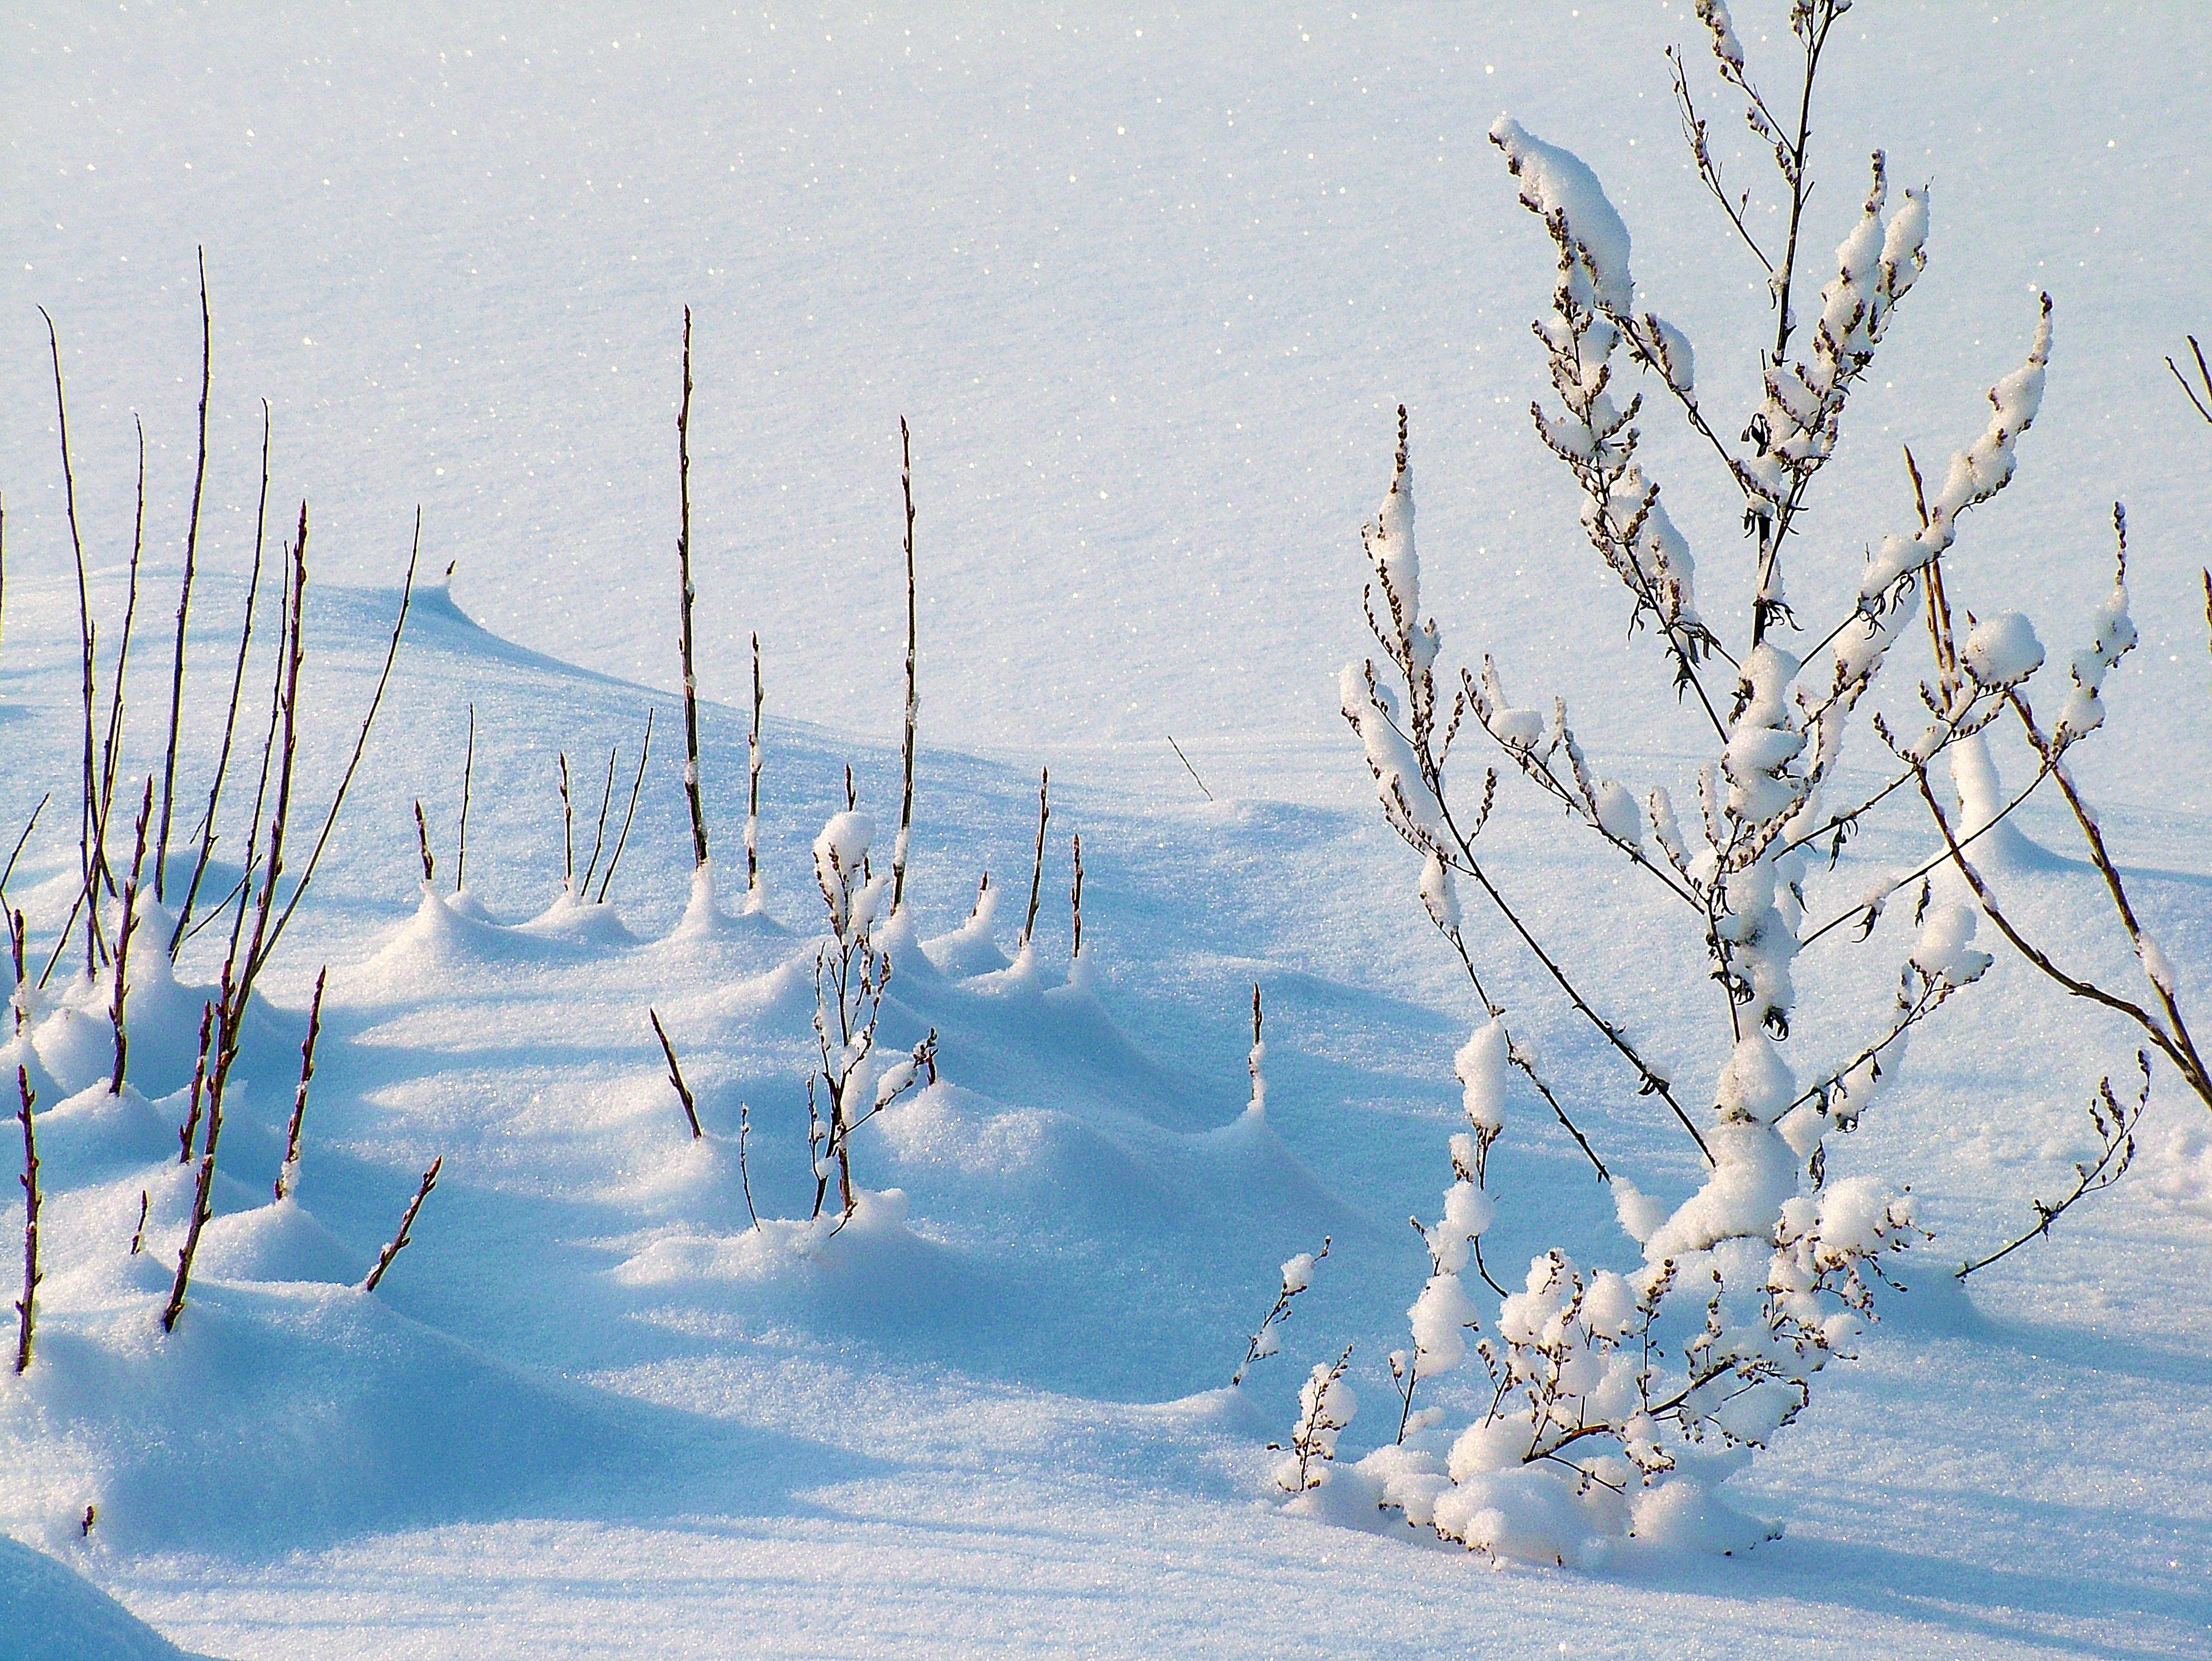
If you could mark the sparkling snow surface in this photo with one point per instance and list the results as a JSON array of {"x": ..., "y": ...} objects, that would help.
[{"x": 1149, "y": 288}]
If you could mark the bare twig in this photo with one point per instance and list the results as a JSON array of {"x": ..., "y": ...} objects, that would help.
[
  {"x": 900, "y": 848},
  {"x": 467, "y": 779},
  {"x": 189, "y": 1129},
  {"x": 184, "y": 931},
  {"x": 111, "y": 747},
  {"x": 27, "y": 1307},
  {"x": 288, "y": 1174},
  {"x": 1037, "y": 868},
  {"x": 599, "y": 834},
  {"x": 675, "y": 1077},
  {"x": 1075, "y": 904},
  {"x": 568, "y": 831},
  {"x": 185, "y": 592},
  {"x": 1263, "y": 1340},
  {"x": 400, "y": 1240},
  {"x": 615, "y": 859},
  {"x": 744, "y": 1176},
  {"x": 85, "y": 854},
  {"x": 360, "y": 742},
  {"x": 124, "y": 929},
  {"x": 423, "y": 844},
  {"x": 2115, "y": 1126},
  {"x": 1191, "y": 770},
  {"x": 2201, "y": 406},
  {"x": 684, "y": 570},
  {"x": 752, "y": 786},
  {"x": 9, "y": 869}
]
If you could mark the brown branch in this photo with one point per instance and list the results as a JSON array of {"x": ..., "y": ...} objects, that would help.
[
  {"x": 899, "y": 849},
  {"x": 684, "y": 570},
  {"x": 1036, "y": 868},
  {"x": 675, "y": 1077},
  {"x": 125, "y": 929},
  {"x": 752, "y": 782},
  {"x": 400, "y": 1240},
  {"x": 288, "y": 1174},
  {"x": 26, "y": 1309},
  {"x": 2185, "y": 1062}
]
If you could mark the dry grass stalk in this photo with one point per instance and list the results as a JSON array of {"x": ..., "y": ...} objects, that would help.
[
  {"x": 138, "y": 1234},
  {"x": 422, "y": 843},
  {"x": 400, "y": 1240},
  {"x": 185, "y": 592},
  {"x": 684, "y": 570},
  {"x": 675, "y": 1077},
  {"x": 27, "y": 1307},
  {"x": 288, "y": 1174}
]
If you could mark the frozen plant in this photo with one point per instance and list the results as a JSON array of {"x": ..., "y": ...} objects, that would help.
[
  {"x": 1297, "y": 1276},
  {"x": 851, "y": 973},
  {"x": 1326, "y": 1405},
  {"x": 1610, "y": 1392}
]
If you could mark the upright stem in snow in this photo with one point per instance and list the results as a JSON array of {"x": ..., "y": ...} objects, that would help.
[
  {"x": 599, "y": 832},
  {"x": 913, "y": 703},
  {"x": 468, "y": 777},
  {"x": 675, "y": 1077},
  {"x": 1036, "y": 867},
  {"x": 404, "y": 1237},
  {"x": 568, "y": 832},
  {"x": 752, "y": 788},
  {"x": 1256, "y": 1063},
  {"x": 125, "y": 929},
  {"x": 645, "y": 751},
  {"x": 87, "y": 856},
  {"x": 1075, "y": 901},
  {"x": 111, "y": 747},
  {"x": 423, "y": 844},
  {"x": 185, "y": 592},
  {"x": 183, "y": 929},
  {"x": 26, "y": 1310},
  {"x": 684, "y": 570},
  {"x": 288, "y": 1175}
]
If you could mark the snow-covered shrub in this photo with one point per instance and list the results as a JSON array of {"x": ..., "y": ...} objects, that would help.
[{"x": 1611, "y": 1392}]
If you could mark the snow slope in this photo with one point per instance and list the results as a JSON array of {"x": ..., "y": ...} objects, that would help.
[{"x": 592, "y": 1412}]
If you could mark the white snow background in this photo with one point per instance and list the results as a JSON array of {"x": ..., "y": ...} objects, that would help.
[{"x": 1148, "y": 286}]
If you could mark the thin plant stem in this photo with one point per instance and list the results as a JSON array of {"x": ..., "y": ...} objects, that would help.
[
  {"x": 684, "y": 572},
  {"x": 913, "y": 703},
  {"x": 645, "y": 751},
  {"x": 184, "y": 591}
]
